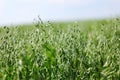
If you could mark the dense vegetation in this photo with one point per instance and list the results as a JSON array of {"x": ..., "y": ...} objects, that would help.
[{"x": 87, "y": 50}]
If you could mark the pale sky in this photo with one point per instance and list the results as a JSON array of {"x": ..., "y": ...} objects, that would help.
[{"x": 23, "y": 11}]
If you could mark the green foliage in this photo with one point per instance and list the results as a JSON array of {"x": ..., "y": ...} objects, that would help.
[{"x": 61, "y": 51}]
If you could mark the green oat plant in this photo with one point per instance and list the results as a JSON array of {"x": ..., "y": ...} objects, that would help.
[{"x": 88, "y": 50}]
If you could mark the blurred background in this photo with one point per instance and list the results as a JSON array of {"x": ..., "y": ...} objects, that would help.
[{"x": 24, "y": 11}]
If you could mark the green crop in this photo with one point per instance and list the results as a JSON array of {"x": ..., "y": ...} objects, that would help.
[{"x": 61, "y": 51}]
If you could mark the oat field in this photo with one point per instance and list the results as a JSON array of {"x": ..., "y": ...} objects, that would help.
[{"x": 88, "y": 50}]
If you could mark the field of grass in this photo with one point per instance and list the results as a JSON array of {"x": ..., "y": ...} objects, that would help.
[{"x": 88, "y": 50}]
